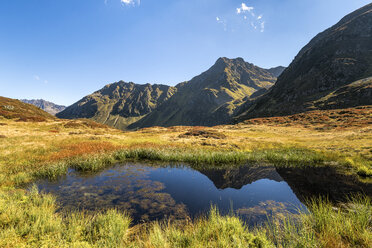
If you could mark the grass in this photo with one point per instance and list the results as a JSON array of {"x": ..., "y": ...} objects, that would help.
[
  {"x": 349, "y": 225},
  {"x": 30, "y": 220},
  {"x": 197, "y": 158},
  {"x": 30, "y": 150}
]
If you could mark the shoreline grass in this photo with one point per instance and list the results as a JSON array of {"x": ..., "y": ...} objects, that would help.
[
  {"x": 195, "y": 158},
  {"x": 30, "y": 220},
  {"x": 287, "y": 157}
]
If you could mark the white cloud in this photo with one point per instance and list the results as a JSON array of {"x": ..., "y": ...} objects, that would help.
[
  {"x": 257, "y": 22},
  {"x": 36, "y": 77},
  {"x": 130, "y": 2},
  {"x": 244, "y": 8},
  {"x": 217, "y": 18},
  {"x": 127, "y": 1}
]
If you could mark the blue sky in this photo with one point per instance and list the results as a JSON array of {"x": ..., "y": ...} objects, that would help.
[{"x": 62, "y": 50}]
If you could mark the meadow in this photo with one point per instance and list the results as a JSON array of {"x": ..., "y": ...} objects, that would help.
[{"x": 31, "y": 149}]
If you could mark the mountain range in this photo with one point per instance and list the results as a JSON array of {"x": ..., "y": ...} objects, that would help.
[
  {"x": 48, "y": 107},
  {"x": 208, "y": 99},
  {"x": 334, "y": 70}
]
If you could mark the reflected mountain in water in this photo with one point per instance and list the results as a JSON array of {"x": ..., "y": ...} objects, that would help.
[
  {"x": 323, "y": 181},
  {"x": 236, "y": 178},
  {"x": 155, "y": 192},
  {"x": 306, "y": 182}
]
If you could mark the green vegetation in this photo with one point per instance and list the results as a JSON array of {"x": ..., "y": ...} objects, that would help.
[
  {"x": 30, "y": 220},
  {"x": 212, "y": 97},
  {"x": 197, "y": 158},
  {"x": 349, "y": 225},
  {"x": 17, "y": 110},
  {"x": 119, "y": 104},
  {"x": 30, "y": 150}
]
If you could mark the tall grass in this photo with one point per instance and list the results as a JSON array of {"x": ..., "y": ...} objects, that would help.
[
  {"x": 30, "y": 220},
  {"x": 349, "y": 225}
]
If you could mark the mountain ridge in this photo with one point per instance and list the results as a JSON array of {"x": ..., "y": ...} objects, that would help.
[
  {"x": 47, "y": 106},
  {"x": 216, "y": 91},
  {"x": 336, "y": 57}
]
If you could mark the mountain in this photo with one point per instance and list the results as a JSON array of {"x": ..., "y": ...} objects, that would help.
[
  {"x": 119, "y": 104},
  {"x": 212, "y": 97},
  {"x": 208, "y": 99},
  {"x": 276, "y": 71},
  {"x": 17, "y": 110},
  {"x": 49, "y": 107},
  {"x": 326, "y": 72}
]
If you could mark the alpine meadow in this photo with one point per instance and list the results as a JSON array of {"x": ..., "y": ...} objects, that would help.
[{"x": 221, "y": 153}]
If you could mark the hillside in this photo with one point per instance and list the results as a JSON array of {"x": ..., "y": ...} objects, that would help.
[
  {"x": 322, "y": 75},
  {"x": 208, "y": 99},
  {"x": 212, "y": 97},
  {"x": 119, "y": 104},
  {"x": 276, "y": 71},
  {"x": 48, "y": 107},
  {"x": 17, "y": 110}
]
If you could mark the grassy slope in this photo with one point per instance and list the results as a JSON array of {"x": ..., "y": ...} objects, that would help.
[
  {"x": 33, "y": 149},
  {"x": 17, "y": 110}
]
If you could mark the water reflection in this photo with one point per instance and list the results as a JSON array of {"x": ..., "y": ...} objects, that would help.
[{"x": 149, "y": 192}]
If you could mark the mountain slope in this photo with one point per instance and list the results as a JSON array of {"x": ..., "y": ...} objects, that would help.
[
  {"x": 276, "y": 71},
  {"x": 119, "y": 104},
  {"x": 15, "y": 109},
  {"x": 48, "y": 107},
  {"x": 212, "y": 97},
  {"x": 333, "y": 59}
]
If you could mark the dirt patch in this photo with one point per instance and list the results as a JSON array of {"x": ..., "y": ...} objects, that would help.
[
  {"x": 2, "y": 136},
  {"x": 203, "y": 134},
  {"x": 3, "y": 124}
]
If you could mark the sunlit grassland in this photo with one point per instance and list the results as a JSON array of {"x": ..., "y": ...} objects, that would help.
[
  {"x": 31, "y": 148},
  {"x": 47, "y": 149}
]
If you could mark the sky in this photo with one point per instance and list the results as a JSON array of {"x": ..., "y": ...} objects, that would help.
[{"x": 62, "y": 50}]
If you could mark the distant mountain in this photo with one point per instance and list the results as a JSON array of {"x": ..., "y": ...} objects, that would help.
[
  {"x": 119, "y": 104},
  {"x": 49, "y": 107},
  {"x": 325, "y": 73},
  {"x": 276, "y": 71},
  {"x": 212, "y": 97},
  {"x": 17, "y": 110}
]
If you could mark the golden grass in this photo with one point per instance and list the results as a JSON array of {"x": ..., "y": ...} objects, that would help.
[{"x": 28, "y": 149}]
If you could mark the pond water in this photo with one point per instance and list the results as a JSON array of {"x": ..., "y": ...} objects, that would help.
[{"x": 149, "y": 192}]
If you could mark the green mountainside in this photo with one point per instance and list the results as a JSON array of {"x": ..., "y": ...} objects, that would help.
[
  {"x": 119, "y": 104},
  {"x": 208, "y": 99},
  {"x": 212, "y": 97},
  {"x": 328, "y": 65}
]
